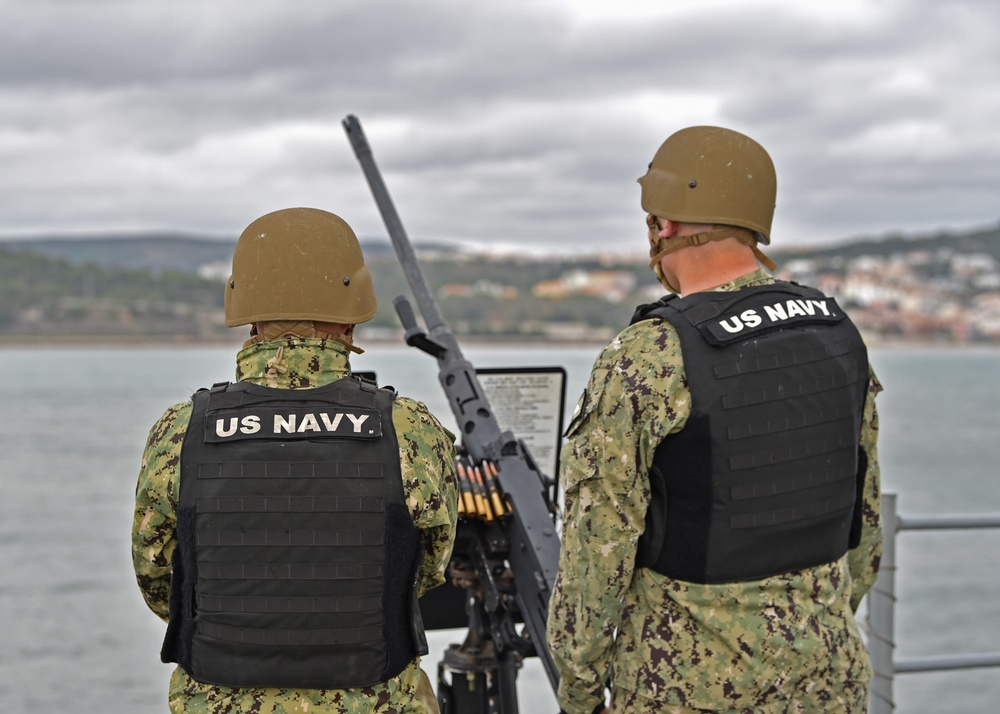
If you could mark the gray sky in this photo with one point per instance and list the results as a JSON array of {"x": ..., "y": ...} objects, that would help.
[{"x": 521, "y": 123}]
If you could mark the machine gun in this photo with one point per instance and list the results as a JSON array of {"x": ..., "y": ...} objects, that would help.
[{"x": 503, "y": 566}]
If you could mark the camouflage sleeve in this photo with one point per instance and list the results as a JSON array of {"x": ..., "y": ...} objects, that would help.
[
  {"x": 636, "y": 395},
  {"x": 154, "y": 520},
  {"x": 427, "y": 456},
  {"x": 863, "y": 561}
]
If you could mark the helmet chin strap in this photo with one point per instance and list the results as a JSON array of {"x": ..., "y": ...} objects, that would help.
[
  {"x": 276, "y": 329},
  {"x": 663, "y": 246}
]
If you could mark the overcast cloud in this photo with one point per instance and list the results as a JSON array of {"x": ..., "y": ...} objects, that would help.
[{"x": 522, "y": 123}]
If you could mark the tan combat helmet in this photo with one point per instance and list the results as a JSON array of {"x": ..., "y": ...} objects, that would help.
[
  {"x": 706, "y": 174},
  {"x": 709, "y": 175},
  {"x": 299, "y": 264}
]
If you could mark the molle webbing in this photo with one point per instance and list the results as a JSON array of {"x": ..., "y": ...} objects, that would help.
[
  {"x": 301, "y": 555},
  {"x": 290, "y": 504},
  {"x": 291, "y": 638},
  {"x": 763, "y": 478},
  {"x": 289, "y": 604}
]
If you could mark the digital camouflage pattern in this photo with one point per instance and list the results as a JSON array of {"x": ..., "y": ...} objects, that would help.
[
  {"x": 427, "y": 458},
  {"x": 788, "y": 643}
]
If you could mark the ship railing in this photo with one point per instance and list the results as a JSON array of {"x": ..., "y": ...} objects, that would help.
[{"x": 882, "y": 605}]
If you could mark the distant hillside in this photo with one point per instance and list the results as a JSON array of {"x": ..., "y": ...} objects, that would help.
[
  {"x": 164, "y": 286},
  {"x": 42, "y": 296},
  {"x": 157, "y": 286},
  {"x": 149, "y": 251},
  {"x": 187, "y": 253},
  {"x": 985, "y": 241}
]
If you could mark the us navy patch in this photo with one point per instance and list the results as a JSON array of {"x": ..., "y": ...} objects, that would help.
[
  {"x": 749, "y": 318},
  {"x": 284, "y": 423}
]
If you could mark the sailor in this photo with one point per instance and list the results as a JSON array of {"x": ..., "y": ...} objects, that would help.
[
  {"x": 286, "y": 523},
  {"x": 721, "y": 518}
]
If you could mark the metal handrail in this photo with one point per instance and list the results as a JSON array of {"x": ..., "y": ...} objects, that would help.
[{"x": 882, "y": 603}]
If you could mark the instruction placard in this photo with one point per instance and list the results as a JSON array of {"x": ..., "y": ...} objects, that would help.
[{"x": 528, "y": 401}]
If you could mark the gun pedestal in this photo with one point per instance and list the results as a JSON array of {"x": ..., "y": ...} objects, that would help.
[{"x": 473, "y": 677}]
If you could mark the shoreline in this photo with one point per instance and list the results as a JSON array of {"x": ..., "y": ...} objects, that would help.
[
  {"x": 184, "y": 341},
  {"x": 188, "y": 341}
]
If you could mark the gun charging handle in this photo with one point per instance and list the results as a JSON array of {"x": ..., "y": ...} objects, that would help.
[{"x": 415, "y": 336}]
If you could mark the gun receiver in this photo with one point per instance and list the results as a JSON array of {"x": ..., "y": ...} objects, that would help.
[{"x": 524, "y": 535}]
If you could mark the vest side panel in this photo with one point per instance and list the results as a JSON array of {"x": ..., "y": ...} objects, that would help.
[
  {"x": 183, "y": 565},
  {"x": 404, "y": 555}
]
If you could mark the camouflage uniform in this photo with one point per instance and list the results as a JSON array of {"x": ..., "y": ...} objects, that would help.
[
  {"x": 788, "y": 643},
  {"x": 427, "y": 457}
]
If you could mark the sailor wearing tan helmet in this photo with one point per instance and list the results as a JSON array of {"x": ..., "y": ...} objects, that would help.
[
  {"x": 721, "y": 514},
  {"x": 285, "y": 523}
]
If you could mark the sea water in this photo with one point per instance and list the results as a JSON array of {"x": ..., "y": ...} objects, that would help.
[{"x": 76, "y": 636}]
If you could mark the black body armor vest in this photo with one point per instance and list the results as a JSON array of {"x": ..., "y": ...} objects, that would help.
[
  {"x": 766, "y": 475},
  {"x": 297, "y": 556}
]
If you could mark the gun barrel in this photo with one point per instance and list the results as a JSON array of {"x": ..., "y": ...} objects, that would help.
[
  {"x": 458, "y": 377},
  {"x": 400, "y": 241}
]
